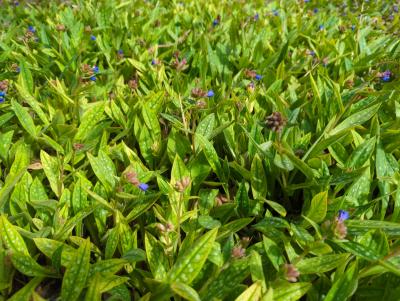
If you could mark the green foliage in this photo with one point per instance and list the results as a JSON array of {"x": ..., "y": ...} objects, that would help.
[{"x": 199, "y": 150}]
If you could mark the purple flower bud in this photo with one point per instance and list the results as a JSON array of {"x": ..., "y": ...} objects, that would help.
[
  {"x": 315, "y": 10},
  {"x": 153, "y": 62},
  {"x": 92, "y": 37},
  {"x": 258, "y": 77},
  {"x": 306, "y": 1},
  {"x": 343, "y": 215},
  {"x": 93, "y": 78},
  {"x": 143, "y": 186},
  {"x": 396, "y": 8},
  {"x": 120, "y": 52},
  {"x": 18, "y": 70},
  {"x": 210, "y": 93}
]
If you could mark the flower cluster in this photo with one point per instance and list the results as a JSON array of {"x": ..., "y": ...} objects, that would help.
[
  {"x": 276, "y": 121},
  {"x": 385, "y": 76},
  {"x": 90, "y": 71},
  {"x": 3, "y": 90},
  {"x": 182, "y": 184},
  {"x": 200, "y": 93},
  {"x": 131, "y": 177}
]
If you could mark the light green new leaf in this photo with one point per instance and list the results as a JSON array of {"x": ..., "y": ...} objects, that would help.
[
  {"x": 156, "y": 258},
  {"x": 258, "y": 178},
  {"x": 25, "y": 293},
  {"x": 27, "y": 266},
  {"x": 185, "y": 291},
  {"x": 252, "y": 293}
]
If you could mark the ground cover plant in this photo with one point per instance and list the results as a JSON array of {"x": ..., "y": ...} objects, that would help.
[{"x": 199, "y": 150}]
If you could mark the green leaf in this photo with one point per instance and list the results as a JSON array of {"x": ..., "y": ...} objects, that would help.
[
  {"x": 185, "y": 291},
  {"x": 76, "y": 274},
  {"x": 27, "y": 266},
  {"x": 24, "y": 118},
  {"x": 355, "y": 119},
  {"x": 25, "y": 293},
  {"x": 211, "y": 156},
  {"x": 11, "y": 238},
  {"x": 52, "y": 170},
  {"x": 273, "y": 252},
  {"x": 258, "y": 178},
  {"x": 318, "y": 207},
  {"x": 189, "y": 264},
  {"x": 228, "y": 279},
  {"x": 320, "y": 264},
  {"x": 252, "y": 293},
  {"x": 359, "y": 227},
  {"x": 291, "y": 291},
  {"x": 156, "y": 258},
  {"x": 90, "y": 118},
  {"x": 345, "y": 285},
  {"x": 104, "y": 169}
]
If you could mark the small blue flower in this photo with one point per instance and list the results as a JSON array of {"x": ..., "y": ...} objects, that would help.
[
  {"x": 95, "y": 69},
  {"x": 306, "y": 1},
  {"x": 120, "y": 52},
  {"x": 256, "y": 17},
  {"x": 18, "y": 70},
  {"x": 92, "y": 37},
  {"x": 321, "y": 27},
  {"x": 16, "y": 3},
  {"x": 2, "y": 99},
  {"x": 386, "y": 76},
  {"x": 210, "y": 93},
  {"x": 343, "y": 215},
  {"x": 258, "y": 77},
  {"x": 275, "y": 12},
  {"x": 315, "y": 10},
  {"x": 353, "y": 27},
  {"x": 143, "y": 186},
  {"x": 153, "y": 62},
  {"x": 2, "y": 93},
  {"x": 215, "y": 22},
  {"x": 396, "y": 8},
  {"x": 93, "y": 78},
  {"x": 31, "y": 28}
]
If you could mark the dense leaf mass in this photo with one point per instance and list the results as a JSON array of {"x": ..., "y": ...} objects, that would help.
[{"x": 199, "y": 150}]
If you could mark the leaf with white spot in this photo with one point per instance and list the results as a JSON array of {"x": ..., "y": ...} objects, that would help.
[
  {"x": 76, "y": 274},
  {"x": 11, "y": 238},
  {"x": 189, "y": 264},
  {"x": 104, "y": 169}
]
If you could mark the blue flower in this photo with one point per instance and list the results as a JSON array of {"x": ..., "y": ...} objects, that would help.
[
  {"x": 315, "y": 10},
  {"x": 275, "y": 12},
  {"x": 143, "y": 186},
  {"x": 2, "y": 93},
  {"x": 258, "y": 77},
  {"x": 343, "y": 215},
  {"x": 92, "y": 37},
  {"x": 353, "y": 27},
  {"x": 120, "y": 52},
  {"x": 1, "y": 99},
  {"x": 396, "y": 8},
  {"x": 210, "y": 93},
  {"x": 321, "y": 27},
  {"x": 16, "y": 3},
  {"x": 153, "y": 62},
  {"x": 256, "y": 17},
  {"x": 215, "y": 22},
  {"x": 386, "y": 76},
  {"x": 31, "y": 28},
  {"x": 93, "y": 78},
  {"x": 306, "y": 1},
  {"x": 95, "y": 69},
  {"x": 18, "y": 70}
]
